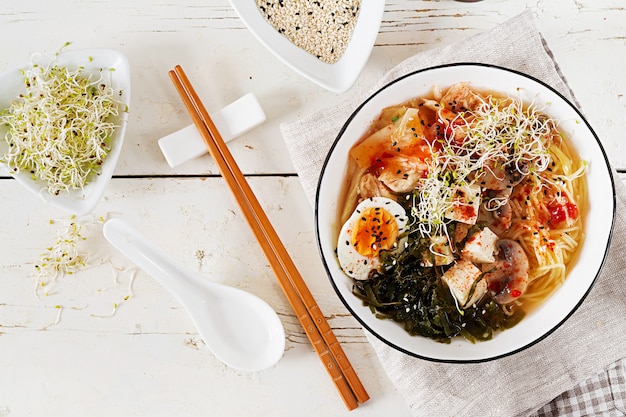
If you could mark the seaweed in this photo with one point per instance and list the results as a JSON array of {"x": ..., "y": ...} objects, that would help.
[{"x": 405, "y": 291}]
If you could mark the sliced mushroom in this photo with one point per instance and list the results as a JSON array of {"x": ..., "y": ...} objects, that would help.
[
  {"x": 497, "y": 176},
  {"x": 507, "y": 278},
  {"x": 496, "y": 211}
]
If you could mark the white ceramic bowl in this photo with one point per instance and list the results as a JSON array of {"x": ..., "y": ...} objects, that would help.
[
  {"x": 598, "y": 220},
  {"x": 76, "y": 201},
  {"x": 336, "y": 77}
]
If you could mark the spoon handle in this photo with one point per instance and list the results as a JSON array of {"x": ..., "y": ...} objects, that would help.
[{"x": 180, "y": 281}]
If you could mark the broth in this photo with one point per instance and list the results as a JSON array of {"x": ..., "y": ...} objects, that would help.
[{"x": 493, "y": 194}]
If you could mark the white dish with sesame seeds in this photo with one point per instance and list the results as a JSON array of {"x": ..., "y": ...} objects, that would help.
[
  {"x": 354, "y": 35},
  {"x": 110, "y": 68},
  {"x": 541, "y": 320}
]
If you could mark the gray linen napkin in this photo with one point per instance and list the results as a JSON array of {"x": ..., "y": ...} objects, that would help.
[{"x": 586, "y": 348}]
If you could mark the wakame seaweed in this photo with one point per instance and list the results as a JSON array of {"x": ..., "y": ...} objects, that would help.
[{"x": 405, "y": 291}]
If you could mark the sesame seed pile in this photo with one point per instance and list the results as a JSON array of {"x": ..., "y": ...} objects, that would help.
[{"x": 321, "y": 27}]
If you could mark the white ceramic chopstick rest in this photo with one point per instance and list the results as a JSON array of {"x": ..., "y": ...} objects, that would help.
[
  {"x": 232, "y": 121},
  {"x": 241, "y": 329}
]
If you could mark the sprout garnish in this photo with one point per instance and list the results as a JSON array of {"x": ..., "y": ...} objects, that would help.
[
  {"x": 500, "y": 131},
  {"x": 60, "y": 129}
]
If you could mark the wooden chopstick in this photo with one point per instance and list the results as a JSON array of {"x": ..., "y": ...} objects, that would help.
[
  {"x": 300, "y": 298},
  {"x": 273, "y": 248}
]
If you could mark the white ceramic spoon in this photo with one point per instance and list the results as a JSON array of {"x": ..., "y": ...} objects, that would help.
[{"x": 240, "y": 329}]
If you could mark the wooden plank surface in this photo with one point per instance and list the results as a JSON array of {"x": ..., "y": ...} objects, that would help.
[
  {"x": 226, "y": 62},
  {"x": 73, "y": 347},
  {"x": 109, "y": 340}
]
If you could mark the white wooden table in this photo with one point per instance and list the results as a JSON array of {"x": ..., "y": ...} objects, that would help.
[{"x": 72, "y": 353}]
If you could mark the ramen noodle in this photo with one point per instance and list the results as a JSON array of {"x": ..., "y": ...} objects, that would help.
[{"x": 462, "y": 210}]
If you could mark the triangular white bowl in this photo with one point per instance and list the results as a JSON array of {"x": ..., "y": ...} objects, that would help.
[
  {"x": 337, "y": 77},
  {"x": 12, "y": 84}
]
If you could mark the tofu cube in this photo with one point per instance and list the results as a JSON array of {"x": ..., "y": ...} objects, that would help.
[
  {"x": 460, "y": 279},
  {"x": 480, "y": 247},
  {"x": 465, "y": 203}
]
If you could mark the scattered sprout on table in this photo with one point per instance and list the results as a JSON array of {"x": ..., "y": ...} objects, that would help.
[
  {"x": 75, "y": 250},
  {"x": 62, "y": 257}
]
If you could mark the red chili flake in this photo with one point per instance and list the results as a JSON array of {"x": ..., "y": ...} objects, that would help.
[{"x": 560, "y": 212}]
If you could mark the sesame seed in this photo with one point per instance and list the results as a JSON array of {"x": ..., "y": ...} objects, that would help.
[{"x": 322, "y": 28}]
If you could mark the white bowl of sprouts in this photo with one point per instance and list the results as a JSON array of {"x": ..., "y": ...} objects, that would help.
[
  {"x": 464, "y": 212},
  {"x": 326, "y": 41},
  {"x": 62, "y": 124}
]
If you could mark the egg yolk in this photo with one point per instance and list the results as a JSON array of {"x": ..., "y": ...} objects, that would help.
[{"x": 376, "y": 229}]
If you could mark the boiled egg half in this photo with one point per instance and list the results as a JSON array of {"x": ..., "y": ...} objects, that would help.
[{"x": 377, "y": 223}]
